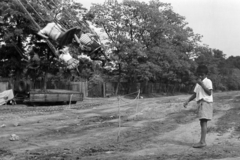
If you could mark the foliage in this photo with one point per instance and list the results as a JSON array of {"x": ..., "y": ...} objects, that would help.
[
  {"x": 146, "y": 43},
  {"x": 18, "y": 32},
  {"x": 149, "y": 41}
]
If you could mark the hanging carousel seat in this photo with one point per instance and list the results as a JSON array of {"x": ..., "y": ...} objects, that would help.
[
  {"x": 67, "y": 37},
  {"x": 6, "y": 96},
  {"x": 89, "y": 44},
  {"x": 55, "y": 32}
]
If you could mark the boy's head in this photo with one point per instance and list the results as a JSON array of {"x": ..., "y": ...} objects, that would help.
[{"x": 202, "y": 71}]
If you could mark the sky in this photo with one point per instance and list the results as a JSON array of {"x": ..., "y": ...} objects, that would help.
[{"x": 218, "y": 21}]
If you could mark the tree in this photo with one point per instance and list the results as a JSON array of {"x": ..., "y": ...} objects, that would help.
[
  {"x": 149, "y": 42},
  {"x": 12, "y": 37},
  {"x": 18, "y": 32}
]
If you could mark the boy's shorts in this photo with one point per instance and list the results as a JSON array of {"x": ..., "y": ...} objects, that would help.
[{"x": 205, "y": 110}]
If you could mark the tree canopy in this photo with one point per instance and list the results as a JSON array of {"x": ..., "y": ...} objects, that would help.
[
  {"x": 19, "y": 32},
  {"x": 147, "y": 42}
]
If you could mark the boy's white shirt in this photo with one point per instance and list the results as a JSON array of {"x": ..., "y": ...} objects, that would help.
[{"x": 201, "y": 94}]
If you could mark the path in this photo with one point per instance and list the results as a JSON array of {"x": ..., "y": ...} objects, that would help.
[{"x": 151, "y": 128}]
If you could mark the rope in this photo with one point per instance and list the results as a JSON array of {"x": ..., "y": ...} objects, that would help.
[
  {"x": 86, "y": 25},
  {"x": 73, "y": 17},
  {"x": 29, "y": 14},
  {"x": 131, "y": 93},
  {"x": 4, "y": 110},
  {"x": 43, "y": 110},
  {"x": 137, "y": 104},
  {"x": 119, "y": 113},
  {"x": 35, "y": 11},
  {"x": 48, "y": 9},
  {"x": 44, "y": 8},
  {"x": 119, "y": 120},
  {"x": 137, "y": 97},
  {"x": 48, "y": 42},
  {"x": 36, "y": 110},
  {"x": 120, "y": 97},
  {"x": 70, "y": 101},
  {"x": 61, "y": 10}
]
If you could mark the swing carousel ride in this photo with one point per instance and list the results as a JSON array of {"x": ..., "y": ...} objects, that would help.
[{"x": 67, "y": 35}]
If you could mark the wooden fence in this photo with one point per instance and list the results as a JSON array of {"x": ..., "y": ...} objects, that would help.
[
  {"x": 75, "y": 86},
  {"x": 109, "y": 88},
  {"x": 103, "y": 89},
  {"x": 80, "y": 87},
  {"x": 4, "y": 86}
]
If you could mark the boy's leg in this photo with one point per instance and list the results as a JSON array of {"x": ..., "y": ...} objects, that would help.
[
  {"x": 203, "y": 124},
  {"x": 202, "y": 143}
]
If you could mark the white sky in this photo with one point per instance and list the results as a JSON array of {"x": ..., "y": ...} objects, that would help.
[{"x": 217, "y": 20}]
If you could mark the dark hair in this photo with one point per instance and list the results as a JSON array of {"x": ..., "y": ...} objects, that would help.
[{"x": 202, "y": 69}]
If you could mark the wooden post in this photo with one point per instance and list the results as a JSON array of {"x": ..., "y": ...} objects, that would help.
[
  {"x": 104, "y": 89},
  {"x": 137, "y": 103},
  {"x": 119, "y": 120}
]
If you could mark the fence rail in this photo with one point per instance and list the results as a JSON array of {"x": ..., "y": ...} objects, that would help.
[
  {"x": 75, "y": 86},
  {"x": 103, "y": 89}
]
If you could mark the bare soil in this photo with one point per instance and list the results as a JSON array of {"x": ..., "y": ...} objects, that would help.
[{"x": 111, "y": 128}]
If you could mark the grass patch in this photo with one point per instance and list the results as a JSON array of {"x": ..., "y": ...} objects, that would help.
[
  {"x": 230, "y": 119},
  {"x": 183, "y": 117},
  {"x": 5, "y": 152}
]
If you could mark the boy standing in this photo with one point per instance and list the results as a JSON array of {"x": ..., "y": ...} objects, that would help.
[{"x": 204, "y": 98}]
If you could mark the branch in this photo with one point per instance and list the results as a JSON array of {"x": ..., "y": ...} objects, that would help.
[{"x": 105, "y": 29}]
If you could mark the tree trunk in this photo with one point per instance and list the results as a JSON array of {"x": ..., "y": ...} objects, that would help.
[
  {"x": 146, "y": 87},
  {"x": 174, "y": 87},
  {"x": 45, "y": 83}
]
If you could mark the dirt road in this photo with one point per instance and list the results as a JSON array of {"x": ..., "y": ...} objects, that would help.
[{"x": 119, "y": 129}]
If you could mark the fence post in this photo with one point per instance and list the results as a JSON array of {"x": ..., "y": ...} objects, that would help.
[{"x": 104, "y": 89}]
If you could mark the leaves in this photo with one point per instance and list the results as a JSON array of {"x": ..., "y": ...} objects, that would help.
[
  {"x": 149, "y": 40},
  {"x": 18, "y": 31},
  {"x": 146, "y": 42}
]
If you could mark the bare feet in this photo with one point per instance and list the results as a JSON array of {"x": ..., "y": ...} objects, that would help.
[{"x": 199, "y": 145}]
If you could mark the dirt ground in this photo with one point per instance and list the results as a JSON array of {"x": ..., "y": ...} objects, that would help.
[{"x": 111, "y": 128}]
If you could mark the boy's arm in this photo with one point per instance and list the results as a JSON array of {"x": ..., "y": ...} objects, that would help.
[
  {"x": 206, "y": 90},
  {"x": 189, "y": 100}
]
